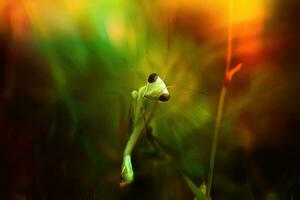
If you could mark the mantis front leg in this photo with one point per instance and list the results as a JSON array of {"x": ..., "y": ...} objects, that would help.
[{"x": 127, "y": 174}]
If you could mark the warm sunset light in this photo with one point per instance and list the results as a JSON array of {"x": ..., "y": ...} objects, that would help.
[{"x": 149, "y": 99}]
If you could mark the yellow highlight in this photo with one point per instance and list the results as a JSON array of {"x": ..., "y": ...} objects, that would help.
[
  {"x": 116, "y": 29},
  {"x": 244, "y": 10},
  {"x": 248, "y": 10}
]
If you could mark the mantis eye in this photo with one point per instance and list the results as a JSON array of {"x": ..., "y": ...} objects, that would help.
[
  {"x": 152, "y": 78},
  {"x": 164, "y": 97}
]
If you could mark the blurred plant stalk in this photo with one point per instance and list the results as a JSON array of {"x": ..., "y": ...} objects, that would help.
[{"x": 229, "y": 73}]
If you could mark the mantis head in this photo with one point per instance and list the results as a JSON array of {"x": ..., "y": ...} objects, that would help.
[{"x": 156, "y": 89}]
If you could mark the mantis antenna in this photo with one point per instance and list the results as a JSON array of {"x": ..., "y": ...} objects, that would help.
[{"x": 187, "y": 89}]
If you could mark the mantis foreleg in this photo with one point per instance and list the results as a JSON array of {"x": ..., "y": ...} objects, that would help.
[{"x": 127, "y": 174}]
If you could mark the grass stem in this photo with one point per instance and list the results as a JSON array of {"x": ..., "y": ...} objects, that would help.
[{"x": 220, "y": 105}]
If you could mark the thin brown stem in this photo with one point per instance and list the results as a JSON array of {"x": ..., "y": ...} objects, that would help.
[
  {"x": 215, "y": 138},
  {"x": 220, "y": 105}
]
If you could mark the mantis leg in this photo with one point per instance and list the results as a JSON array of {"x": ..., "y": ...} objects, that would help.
[
  {"x": 127, "y": 174},
  {"x": 132, "y": 114}
]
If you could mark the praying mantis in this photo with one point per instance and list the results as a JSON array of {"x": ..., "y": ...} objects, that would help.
[{"x": 142, "y": 100}]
